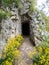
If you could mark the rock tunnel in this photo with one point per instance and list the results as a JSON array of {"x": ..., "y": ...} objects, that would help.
[{"x": 26, "y": 28}]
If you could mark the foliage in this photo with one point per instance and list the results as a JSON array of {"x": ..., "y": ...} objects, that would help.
[
  {"x": 46, "y": 19},
  {"x": 10, "y": 2},
  {"x": 7, "y": 2},
  {"x": 33, "y": 5},
  {"x": 11, "y": 50},
  {"x": 42, "y": 54},
  {"x": 19, "y": 4},
  {"x": 4, "y": 14}
]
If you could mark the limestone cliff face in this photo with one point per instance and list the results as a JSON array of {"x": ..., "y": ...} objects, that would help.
[{"x": 12, "y": 25}]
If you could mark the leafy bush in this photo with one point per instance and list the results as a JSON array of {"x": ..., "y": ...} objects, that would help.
[
  {"x": 4, "y": 14},
  {"x": 42, "y": 55},
  {"x": 11, "y": 50}
]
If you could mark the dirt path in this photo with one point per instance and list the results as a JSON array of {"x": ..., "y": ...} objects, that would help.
[{"x": 26, "y": 48}]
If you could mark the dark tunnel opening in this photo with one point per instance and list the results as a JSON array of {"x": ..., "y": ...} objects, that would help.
[{"x": 25, "y": 28}]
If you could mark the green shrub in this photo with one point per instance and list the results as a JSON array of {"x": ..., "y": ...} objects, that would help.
[
  {"x": 4, "y": 14},
  {"x": 7, "y": 2},
  {"x": 11, "y": 50},
  {"x": 42, "y": 54}
]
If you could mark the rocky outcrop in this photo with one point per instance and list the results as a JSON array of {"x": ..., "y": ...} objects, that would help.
[
  {"x": 12, "y": 25},
  {"x": 26, "y": 5},
  {"x": 37, "y": 26}
]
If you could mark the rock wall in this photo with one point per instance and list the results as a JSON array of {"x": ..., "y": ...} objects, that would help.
[
  {"x": 37, "y": 26},
  {"x": 10, "y": 27}
]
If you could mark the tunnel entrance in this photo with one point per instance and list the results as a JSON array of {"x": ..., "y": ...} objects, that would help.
[{"x": 25, "y": 28}]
